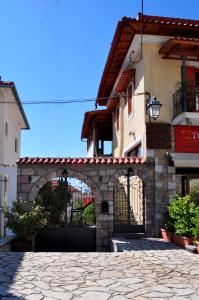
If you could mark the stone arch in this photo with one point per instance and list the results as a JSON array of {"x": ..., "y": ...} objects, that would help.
[
  {"x": 99, "y": 176},
  {"x": 58, "y": 173}
]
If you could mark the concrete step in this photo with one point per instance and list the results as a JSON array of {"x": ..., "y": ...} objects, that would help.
[{"x": 129, "y": 236}]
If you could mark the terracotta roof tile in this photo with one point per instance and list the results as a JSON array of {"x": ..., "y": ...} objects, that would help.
[
  {"x": 6, "y": 83},
  {"x": 79, "y": 161},
  {"x": 169, "y": 21}
]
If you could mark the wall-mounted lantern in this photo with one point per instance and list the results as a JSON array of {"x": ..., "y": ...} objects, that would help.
[
  {"x": 153, "y": 108},
  {"x": 65, "y": 174}
]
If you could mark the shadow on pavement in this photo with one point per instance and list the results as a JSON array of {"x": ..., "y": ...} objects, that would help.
[
  {"x": 9, "y": 266},
  {"x": 144, "y": 244}
]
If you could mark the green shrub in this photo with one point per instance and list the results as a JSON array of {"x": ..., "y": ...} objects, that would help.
[
  {"x": 25, "y": 224},
  {"x": 195, "y": 221},
  {"x": 89, "y": 215},
  {"x": 182, "y": 210}
]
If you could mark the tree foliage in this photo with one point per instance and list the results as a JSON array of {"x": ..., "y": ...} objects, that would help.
[{"x": 54, "y": 201}]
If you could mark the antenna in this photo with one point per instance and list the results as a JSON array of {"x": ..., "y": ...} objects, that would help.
[{"x": 141, "y": 42}]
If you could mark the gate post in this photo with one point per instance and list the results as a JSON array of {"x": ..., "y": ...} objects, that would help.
[{"x": 104, "y": 222}]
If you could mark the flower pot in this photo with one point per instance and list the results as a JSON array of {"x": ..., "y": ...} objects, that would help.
[
  {"x": 182, "y": 241},
  {"x": 197, "y": 246},
  {"x": 166, "y": 235}
]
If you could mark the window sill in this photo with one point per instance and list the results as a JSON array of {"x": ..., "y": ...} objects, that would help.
[{"x": 130, "y": 117}]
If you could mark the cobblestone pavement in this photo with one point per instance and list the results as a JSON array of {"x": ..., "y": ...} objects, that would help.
[{"x": 158, "y": 271}]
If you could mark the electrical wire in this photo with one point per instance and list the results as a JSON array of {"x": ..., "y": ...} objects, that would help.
[
  {"x": 141, "y": 41},
  {"x": 68, "y": 101}
]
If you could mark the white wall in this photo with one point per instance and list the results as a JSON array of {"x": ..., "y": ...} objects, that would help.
[{"x": 11, "y": 114}]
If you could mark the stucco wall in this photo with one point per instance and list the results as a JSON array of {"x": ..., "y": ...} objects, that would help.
[
  {"x": 132, "y": 127},
  {"x": 161, "y": 77}
]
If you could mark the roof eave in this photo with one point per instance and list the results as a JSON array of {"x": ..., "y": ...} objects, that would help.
[{"x": 20, "y": 107}]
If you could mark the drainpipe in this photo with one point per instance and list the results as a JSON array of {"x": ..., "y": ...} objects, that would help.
[{"x": 184, "y": 86}]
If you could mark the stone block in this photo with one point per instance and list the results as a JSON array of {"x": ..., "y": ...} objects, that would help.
[
  {"x": 22, "y": 179},
  {"x": 22, "y": 196},
  {"x": 34, "y": 179},
  {"x": 158, "y": 184},
  {"x": 105, "y": 217},
  {"x": 171, "y": 170},
  {"x": 40, "y": 172},
  {"x": 171, "y": 185},
  {"x": 158, "y": 168},
  {"x": 27, "y": 171},
  {"x": 92, "y": 173},
  {"x": 108, "y": 196},
  {"x": 110, "y": 172},
  {"x": 102, "y": 173},
  {"x": 103, "y": 187}
]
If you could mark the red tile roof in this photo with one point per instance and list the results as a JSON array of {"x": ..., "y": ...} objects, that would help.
[
  {"x": 6, "y": 83},
  {"x": 104, "y": 120},
  {"x": 79, "y": 161},
  {"x": 123, "y": 37},
  {"x": 169, "y": 21},
  {"x": 124, "y": 79}
]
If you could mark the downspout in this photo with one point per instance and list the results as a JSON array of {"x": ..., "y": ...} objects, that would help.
[
  {"x": 121, "y": 148},
  {"x": 184, "y": 86}
]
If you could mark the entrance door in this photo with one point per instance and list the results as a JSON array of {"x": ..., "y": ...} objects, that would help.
[
  {"x": 190, "y": 184},
  {"x": 192, "y": 78},
  {"x": 129, "y": 205}
]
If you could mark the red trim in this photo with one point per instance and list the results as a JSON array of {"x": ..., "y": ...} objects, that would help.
[
  {"x": 187, "y": 139},
  {"x": 125, "y": 31},
  {"x": 124, "y": 79},
  {"x": 79, "y": 161}
]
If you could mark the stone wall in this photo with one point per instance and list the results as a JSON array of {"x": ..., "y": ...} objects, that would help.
[{"x": 101, "y": 179}]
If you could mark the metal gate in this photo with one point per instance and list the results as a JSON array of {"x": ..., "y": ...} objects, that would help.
[{"x": 129, "y": 205}]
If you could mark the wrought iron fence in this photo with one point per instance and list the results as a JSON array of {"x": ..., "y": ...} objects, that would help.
[
  {"x": 129, "y": 208},
  {"x": 186, "y": 99}
]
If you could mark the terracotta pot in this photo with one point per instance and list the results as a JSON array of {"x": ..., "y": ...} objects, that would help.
[
  {"x": 197, "y": 246},
  {"x": 166, "y": 235},
  {"x": 182, "y": 241}
]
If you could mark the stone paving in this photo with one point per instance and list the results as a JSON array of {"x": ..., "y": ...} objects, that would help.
[{"x": 149, "y": 269}]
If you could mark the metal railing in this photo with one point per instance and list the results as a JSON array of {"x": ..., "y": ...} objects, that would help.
[{"x": 186, "y": 99}]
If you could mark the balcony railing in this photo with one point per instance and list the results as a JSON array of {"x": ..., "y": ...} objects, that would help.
[{"x": 186, "y": 99}]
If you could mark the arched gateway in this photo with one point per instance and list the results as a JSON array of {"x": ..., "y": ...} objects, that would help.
[{"x": 101, "y": 175}]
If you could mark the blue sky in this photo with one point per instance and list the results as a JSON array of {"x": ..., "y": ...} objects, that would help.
[{"x": 57, "y": 49}]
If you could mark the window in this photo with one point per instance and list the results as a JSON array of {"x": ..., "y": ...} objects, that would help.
[
  {"x": 129, "y": 99},
  {"x": 117, "y": 118},
  {"x": 136, "y": 151},
  {"x": 16, "y": 145},
  {"x": 6, "y": 128}
]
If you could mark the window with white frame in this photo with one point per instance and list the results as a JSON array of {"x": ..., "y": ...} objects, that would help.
[{"x": 129, "y": 98}]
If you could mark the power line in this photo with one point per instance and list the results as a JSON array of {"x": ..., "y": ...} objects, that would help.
[{"x": 68, "y": 101}]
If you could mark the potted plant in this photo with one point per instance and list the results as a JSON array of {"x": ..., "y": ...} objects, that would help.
[
  {"x": 195, "y": 230},
  {"x": 168, "y": 229},
  {"x": 182, "y": 211},
  {"x": 25, "y": 223}
]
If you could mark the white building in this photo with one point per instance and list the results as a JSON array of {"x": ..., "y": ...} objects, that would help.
[{"x": 12, "y": 120}]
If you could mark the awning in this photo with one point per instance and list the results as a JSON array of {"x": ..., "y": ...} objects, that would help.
[{"x": 185, "y": 160}]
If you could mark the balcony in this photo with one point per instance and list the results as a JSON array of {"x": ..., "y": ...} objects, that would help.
[{"x": 186, "y": 106}]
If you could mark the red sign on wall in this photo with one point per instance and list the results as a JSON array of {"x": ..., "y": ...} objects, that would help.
[{"x": 187, "y": 139}]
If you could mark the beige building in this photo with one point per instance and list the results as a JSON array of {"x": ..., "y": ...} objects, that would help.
[
  {"x": 12, "y": 121},
  {"x": 153, "y": 64}
]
